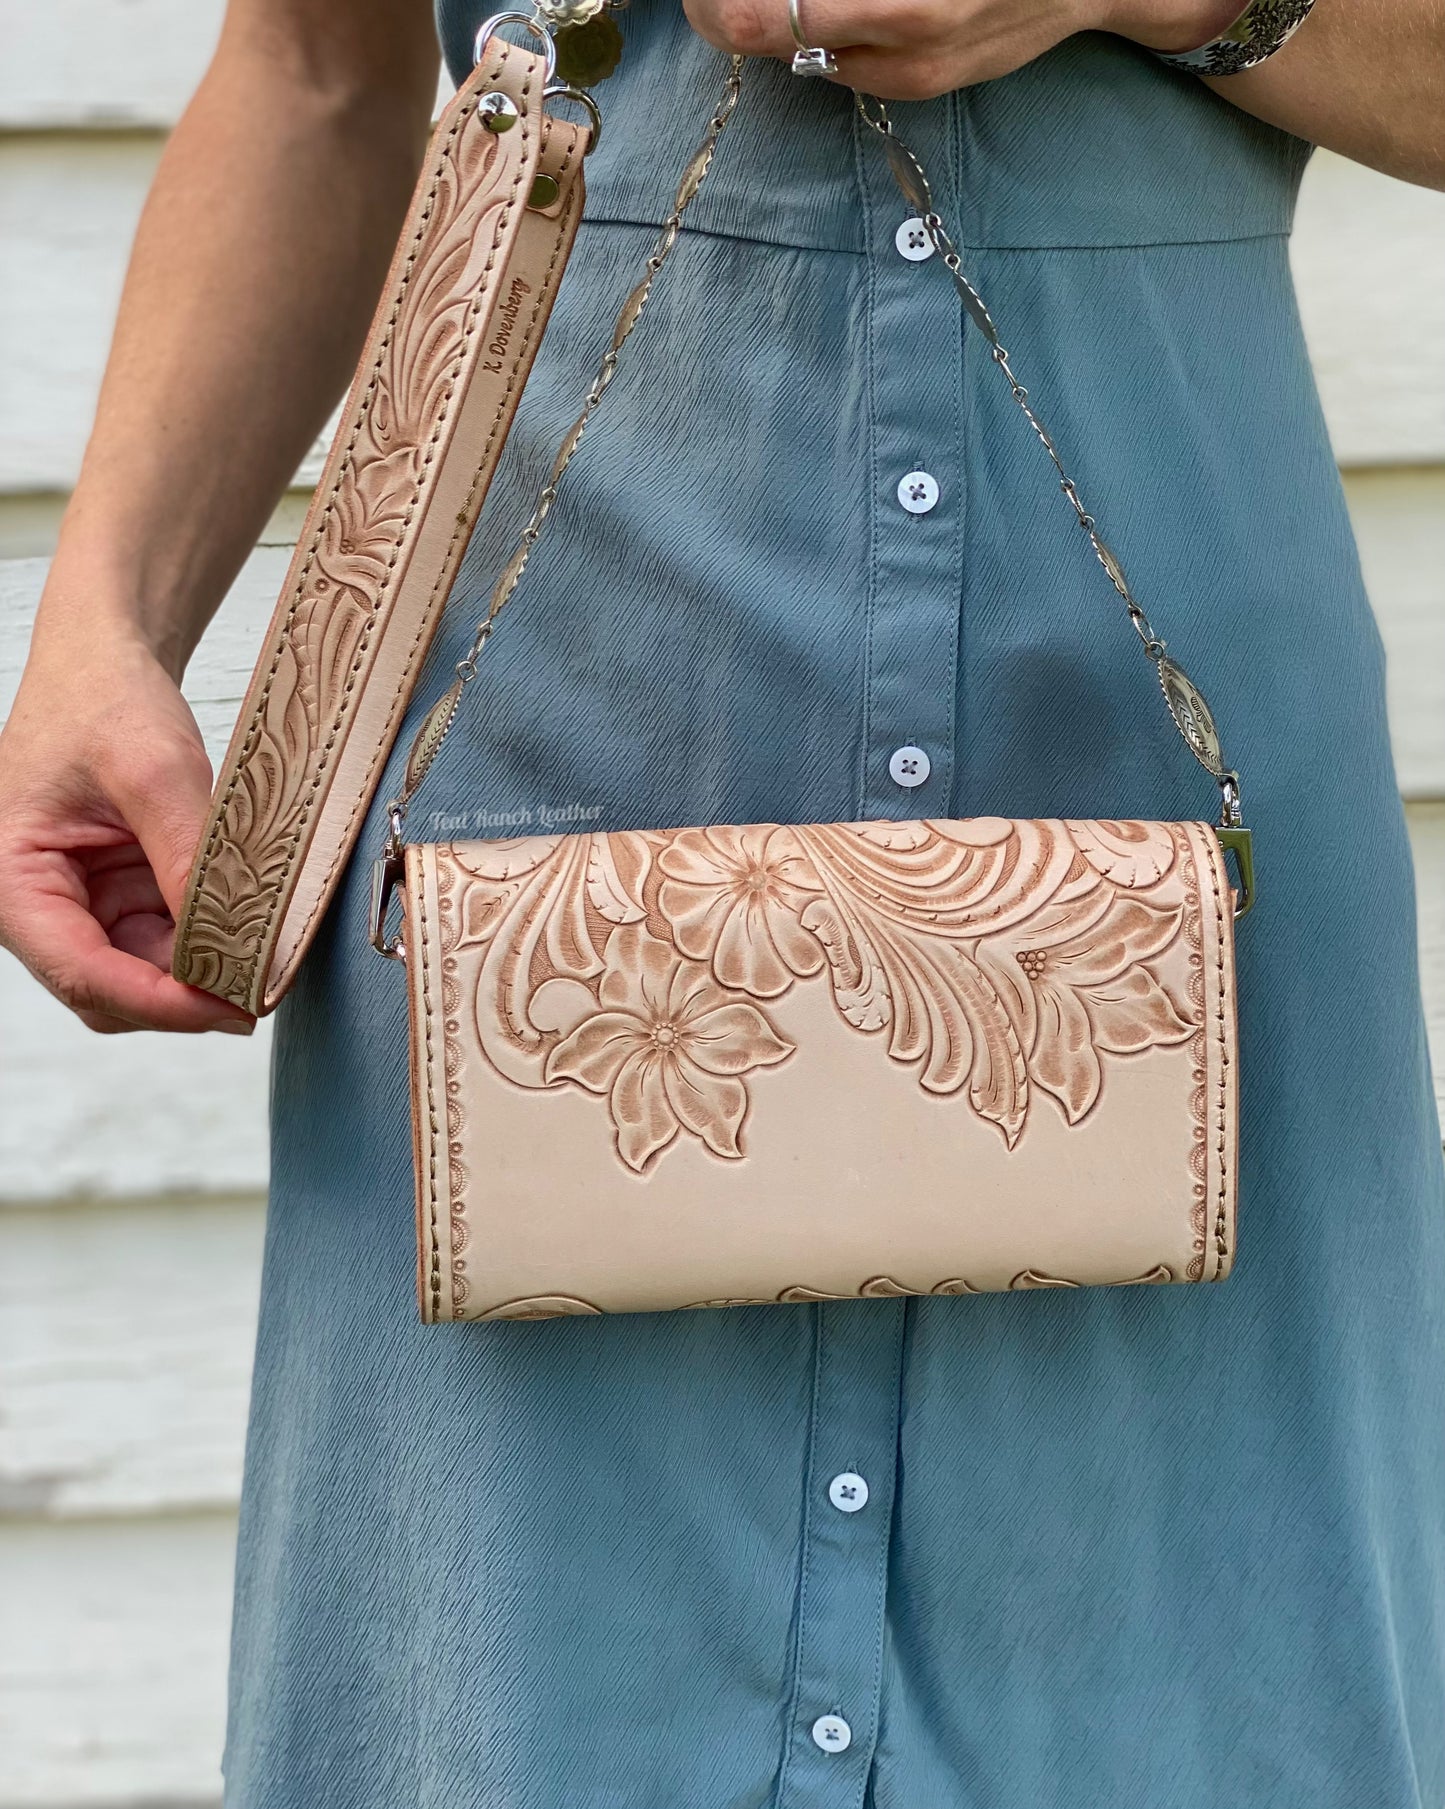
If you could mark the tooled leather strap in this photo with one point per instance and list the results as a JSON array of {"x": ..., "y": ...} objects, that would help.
[{"x": 465, "y": 304}]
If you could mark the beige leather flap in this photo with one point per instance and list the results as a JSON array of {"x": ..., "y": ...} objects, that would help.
[{"x": 722, "y": 1066}]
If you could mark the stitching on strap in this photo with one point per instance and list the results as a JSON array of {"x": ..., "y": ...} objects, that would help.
[
  {"x": 384, "y": 740},
  {"x": 343, "y": 471},
  {"x": 1221, "y": 1239},
  {"x": 434, "y": 1256}
]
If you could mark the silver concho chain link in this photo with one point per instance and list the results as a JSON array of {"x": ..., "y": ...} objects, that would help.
[{"x": 1191, "y": 714}]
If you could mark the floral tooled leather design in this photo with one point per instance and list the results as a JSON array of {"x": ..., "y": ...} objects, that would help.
[
  {"x": 335, "y": 602},
  {"x": 458, "y": 324},
  {"x": 1006, "y": 962},
  {"x": 668, "y": 1047}
]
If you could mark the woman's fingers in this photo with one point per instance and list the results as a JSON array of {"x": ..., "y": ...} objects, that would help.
[
  {"x": 121, "y": 894},
  {"x": 63, "y": 945},
  {"x": 104, "y": 1025},
  {"x": 164, "y": 797},
  {"x": 101, "y": 809},
  {"x": 149, "y": 935},
  {"x": 895, "y": 74},
  {"x": 899, "y": 49},
  {"x": 82, "y": 905},
  {"x": 760, "y": 28},
  {"x": 123, "y": 888}
]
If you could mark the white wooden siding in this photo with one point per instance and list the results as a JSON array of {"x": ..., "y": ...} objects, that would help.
[
  {"x": 130, "y": 1222},
  {"x": 1399, "y": 520},
  {"x": 1369, "y": 260},
  {"x": 112, "y": 1662},
  {"x": 72, "y": 65},
  {"x": 68, "y": 209},
  {"x": 125, "y": 1352}
]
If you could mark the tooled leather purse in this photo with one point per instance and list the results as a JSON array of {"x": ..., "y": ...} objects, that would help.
[{"x": 720, "y": 1065}]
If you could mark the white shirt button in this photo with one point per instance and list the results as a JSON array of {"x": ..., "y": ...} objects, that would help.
[
  {"x": 918, "y": 492},
  {"x": 832, "y": 1733},
  {"x": 908, "y": 766},
  {"x": 848, "y": 1492},
  {"x": 913, "y": 241}
]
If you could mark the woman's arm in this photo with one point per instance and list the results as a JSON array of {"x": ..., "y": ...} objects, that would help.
[
  {"x": 256, "y": 266},
  {"x": 1366, "y": 77},
  {"x": 258, "y": 260}
]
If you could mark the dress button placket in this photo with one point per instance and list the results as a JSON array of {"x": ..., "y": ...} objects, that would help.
[
  {"x": 843, "y": 1580},
  {"x": 914, "y": 349},
  {"x": 912, "y": 355}
]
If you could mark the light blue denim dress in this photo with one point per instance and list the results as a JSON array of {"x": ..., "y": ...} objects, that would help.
[{"x": 1159, "y": 1548}]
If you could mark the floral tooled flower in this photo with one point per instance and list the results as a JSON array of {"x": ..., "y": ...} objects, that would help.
[
  {"x": 734, "y": 898},
  {"x": 1076, "y": 980},
  {"x": 666, "y": 1048}
]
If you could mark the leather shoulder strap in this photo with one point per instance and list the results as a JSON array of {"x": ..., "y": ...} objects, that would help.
[{"x": 463, "y": 311}]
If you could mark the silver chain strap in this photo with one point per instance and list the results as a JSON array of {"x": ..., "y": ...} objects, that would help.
[
  {"x": 1186, "y": 703},
  {"x": 433, "y": 731}
]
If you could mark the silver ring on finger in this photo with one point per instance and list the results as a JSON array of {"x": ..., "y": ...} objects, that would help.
[{"x": 808, "y": 59}]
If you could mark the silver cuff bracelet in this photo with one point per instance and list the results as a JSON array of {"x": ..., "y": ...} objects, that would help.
[{"x": 1256, "y": 34}]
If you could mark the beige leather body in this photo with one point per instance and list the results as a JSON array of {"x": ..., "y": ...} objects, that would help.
[
  {"x": 727, "y": 1066},
  {"x": 455, "y": 333}
]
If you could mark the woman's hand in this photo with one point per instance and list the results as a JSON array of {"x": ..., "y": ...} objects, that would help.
[
  {"x": 263, "y": 244},
  {"x": 1367, "y": 81},
  {"x": 104, "y": 790},
  {"x": 916, "y": 49}
]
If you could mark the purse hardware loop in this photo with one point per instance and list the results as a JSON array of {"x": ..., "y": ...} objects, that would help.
[
  {"x": 569, "y": 91},
  {"x": 530, "y": 22},
  {"x": 386, "y": 876}
]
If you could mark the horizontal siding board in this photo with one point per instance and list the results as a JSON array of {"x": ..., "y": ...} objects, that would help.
[
  {"x": 115, "y": 1116},
  {"x": 85, "y": 63},
  {"x": 112, "y": 1662},
  {"x": 30, "y": 524},
  {"x": 69, "y": 203},
  {"x": 1427, "y": 839},
  {"x": 1399, "y": 522},
  {"x": 68, "y": 212},
  {"x": 132, "y": 1400},
  {"x": 1369, "y": 264}
]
